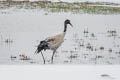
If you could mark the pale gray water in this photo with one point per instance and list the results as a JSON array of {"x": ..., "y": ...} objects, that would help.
[{"x": 24, "y": 29}]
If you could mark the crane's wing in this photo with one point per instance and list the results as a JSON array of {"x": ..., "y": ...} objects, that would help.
[
  {"x": 50, "y": 40},
  {"x": 55, "y": 41},
  {"x": 50, "y": 43}
]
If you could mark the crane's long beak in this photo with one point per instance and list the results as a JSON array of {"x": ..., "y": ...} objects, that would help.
[{"x": 71, "y": 24}]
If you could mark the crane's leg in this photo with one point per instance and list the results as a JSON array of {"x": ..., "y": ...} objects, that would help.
[
  {"x": 53, "y": 55},
  {"x": 43, "y": 57}
]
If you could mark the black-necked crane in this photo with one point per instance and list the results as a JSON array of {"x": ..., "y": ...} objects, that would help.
[{"x": 53, "y": 42}]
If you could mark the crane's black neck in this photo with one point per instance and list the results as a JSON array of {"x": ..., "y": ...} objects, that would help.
[{"x": 65, "y": 27}]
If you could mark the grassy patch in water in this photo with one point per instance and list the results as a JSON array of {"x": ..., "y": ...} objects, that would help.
[{"x": 84, "y": 7}]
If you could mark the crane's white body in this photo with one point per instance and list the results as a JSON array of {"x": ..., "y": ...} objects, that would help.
[{"x": 55, "y": 41}]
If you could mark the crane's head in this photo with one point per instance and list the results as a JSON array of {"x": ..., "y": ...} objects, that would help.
[{"x": 67, "y": 21}]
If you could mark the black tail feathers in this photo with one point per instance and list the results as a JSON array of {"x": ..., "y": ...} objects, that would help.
[{"x": 42, "y": 46}]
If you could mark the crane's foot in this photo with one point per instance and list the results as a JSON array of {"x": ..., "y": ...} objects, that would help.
[
  {"x": 52, "y": 61},
  {"x": 44, "y": 62}
]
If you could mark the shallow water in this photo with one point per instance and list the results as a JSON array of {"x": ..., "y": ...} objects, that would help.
[{"x": 22, "y": 30}]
